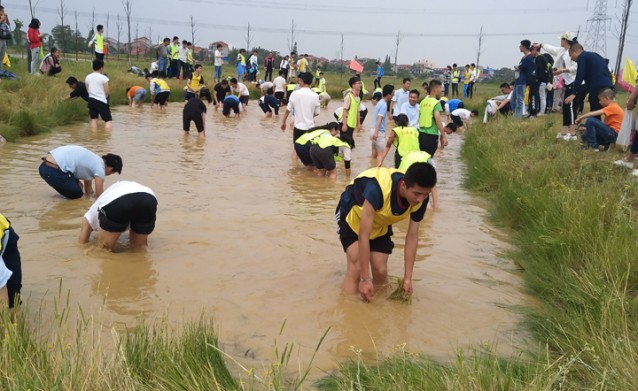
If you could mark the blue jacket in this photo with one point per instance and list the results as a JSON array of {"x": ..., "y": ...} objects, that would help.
[{"x": 593, "y": 70}]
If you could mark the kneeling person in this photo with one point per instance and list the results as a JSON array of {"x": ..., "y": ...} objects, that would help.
[
  {"x": 123, "y": 205},
  {"x": 323, "y": 150},
  {"x": 195, "y": 111}
]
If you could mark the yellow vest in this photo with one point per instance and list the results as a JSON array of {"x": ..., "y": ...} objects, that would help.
[
  {"x": 414, "y": 157},
  {"x": 383, "y": 218},
  {"x": 455, "y": 76},
  {"x": 322, "y": 85},
  {"x": 189, "y": 57},
  {"x": 309, "y": 136},
  {"x": 426, "y": 113},
  {"x": 327, "y": 140},
  {"x": 406, "y": 140},
  {"x": 195, "y": 82},
  {"x": 4, "y": 226},
  {"x": 174, "y": 51},
  {"x": 353, "y": 110},
  {"x": 99, "y": 43},
  {"x": 363, "y": 88},
  {"x": 161, "y": 84},
  {"x": 290, "y": 87},
  {"x": 242, "y": 59}
]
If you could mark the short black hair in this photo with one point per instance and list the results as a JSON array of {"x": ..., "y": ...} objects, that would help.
[
  {"x": 224, "y": 82},
  {"x": 99, "y": 27},
  {"x": 434, "y": 83},
  {"x": 415, "y": 91},
  {"x": 197, "y": 66},
  {"x": 402, "y": 120},
  {"x": 452, "y": 126},
  {"x": 233, "y": 80},
  {"x": 353, "y": 80},
  {"x": 504, "y": 85},
  {"x": 71, "y": 80},
  {"x": 475, "y": 112},
  {"x": 407, "y": 79},
  {"x": 306, "y": 77},
  {"x": 526, "y": 44},
  {"x": 175, "y": 38},
  {"x": 387, "y": 89},
  {"x": 420, "y": 174},
  {"x": 98, "y": 64},
  {"x": 166, "y": 39},
  {"x": 270, "y": 91},
  {"x": 113, "y": 161}
]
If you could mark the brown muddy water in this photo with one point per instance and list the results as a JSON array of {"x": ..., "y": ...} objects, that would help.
[{"x": 247, "y": 236}]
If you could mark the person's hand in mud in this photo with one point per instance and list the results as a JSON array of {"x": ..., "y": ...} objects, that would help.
[{"x": 366, "y": 289}]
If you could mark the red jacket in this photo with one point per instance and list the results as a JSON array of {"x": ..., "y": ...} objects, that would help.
[{"x": 34, "y": 38}]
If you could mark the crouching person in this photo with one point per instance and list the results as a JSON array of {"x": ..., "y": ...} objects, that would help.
[
  {"x": 10, "y": 265},
  {"x": 123, "y": 205}
]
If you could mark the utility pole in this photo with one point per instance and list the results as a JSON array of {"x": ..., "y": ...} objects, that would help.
[
  {"x": 480, "y": 45},
  {"x": 597, "y": 29},
  {"x": 292, "y": 38},
  {"x": 396, "y": 51},
  {"x": 248, "y": 39},
  {"x": 623, "y": 35}
]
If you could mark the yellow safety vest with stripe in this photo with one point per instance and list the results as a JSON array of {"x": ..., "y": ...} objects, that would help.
[
  {"x": 316, "y": 90},
  {"x": 290, "y": 87},
  {"x": 4, "y": 226},
  {"x": 383, "y": 218},
  {"x": 322, "y": 85},
  {"x": 455, "y": 76},
  {"x": 326, "y": 140},
  {"x": 99, "y": 43},
  {"x": 353, "y": 110},
  {"x": 307, "y": 137},
  {"x": 406, "y": 140},
  {"x": 426, "y": 113},
  {"x": 317, "y": 74},
  {"x": 414, "y": 157},
  {"x": 161, "y": 84},
  {"x": 363, "y": 88},
  {"x": 174, "y": 51}
]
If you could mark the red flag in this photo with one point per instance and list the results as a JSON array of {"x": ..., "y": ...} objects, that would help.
[{"x": 355, "y": 66}]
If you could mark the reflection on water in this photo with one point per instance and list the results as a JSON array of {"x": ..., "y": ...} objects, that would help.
[{"x": 247, "y": 236}]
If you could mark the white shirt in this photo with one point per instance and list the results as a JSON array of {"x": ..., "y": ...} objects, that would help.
[
  {"x": 284, "y": 64},
  {"x": 218, "y": 58},
  {"x": 154, "y": 66},
  {"x": 113, "y": 192},
  {"x": 473, "y": 74},
  {"x": 182, "y": 54},
  {"x": 305, "y": 104},
  {"x": 95, "y": 86},
  {"x": 5, "y": 273},
  {"x": 253, "y": 60},
  {"x": 412, "y": 112},
  {"x": 400, "y": 97},
  {"x": 265, "y": 86},
  {"x": 280, "y": 84},
  {"x": 241, "y": 89},
  {"x": 464, "y": 114},
  {"x": 561, "y": 55}
]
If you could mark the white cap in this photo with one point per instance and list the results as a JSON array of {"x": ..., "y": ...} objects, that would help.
[{"x": 569, "y": 36}]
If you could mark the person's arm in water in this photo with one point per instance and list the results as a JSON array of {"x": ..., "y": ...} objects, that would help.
[
  {"x": 411, "y": 244},
  {"x": 388, "y": 145},
  {"x": 439, "y": 124},
  {"x": 130, "y": 100},
  {"x": 365, "y": 229},
  {"x": 283, "y": 123},
  {"x": 85, "y": 231}
]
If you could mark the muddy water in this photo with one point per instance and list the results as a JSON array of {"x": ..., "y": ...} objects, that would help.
[{"x": 246, "y": 235}]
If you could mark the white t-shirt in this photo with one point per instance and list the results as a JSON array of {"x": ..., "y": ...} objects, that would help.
[
  {"x": 79, "y": 161},
  {"x": 5, "y": 273},
  {"x": 280, "y": 84},
  {"x": 95, "y": 86},
  {"x": 182, "y": 54},
  {"x": 253, "y": 60},
  {"x": 218, "y": 58},
  {"x": 241, "y": 89},
  {"x": 464, "y": 114},
  {"x": 154, "y": 66},
  {"x": 305, "y": 104},
  {"x": 265, "y": 86},
  {"x": 284, "y": 64},
  {"x": 113, "y": 192}
]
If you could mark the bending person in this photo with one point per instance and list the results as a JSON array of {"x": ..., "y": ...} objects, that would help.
[
  {"x": 124, "y": 205},
  {"x": 10, "y": 265}
]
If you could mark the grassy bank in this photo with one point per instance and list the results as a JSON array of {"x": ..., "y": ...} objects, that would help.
[
  {"x": 35, "y": 105},
  {"x": 572, "y": 217}
]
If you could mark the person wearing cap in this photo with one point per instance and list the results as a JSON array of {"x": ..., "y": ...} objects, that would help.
[
  {"x": 78, "y": 89},
  {"x": 566, "y": 68},
  {"x": 64, "y": 167},
  {"x": 594, "y": 71},
  {"x": 10, "y": 265},
  {"x": 124, "y": 205},
  {"x": 524, "y": 70}
]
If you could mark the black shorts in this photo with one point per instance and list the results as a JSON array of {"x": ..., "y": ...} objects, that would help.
[
  {"x": 230, "y": 105},
  {"x": 303, "y": 152},
  {"x": 456, "y": 119},
  {"x": 161, "y": 98},
  {"x": 264, "y": 107},
  {"x": 382, "y": 244},
  {"x": 348, "y": 136},
  {"x": 195, "y": 117},
  {"x": 135, "y": 209},
  {"x": 428, "y": 143},
  {"x": 244, "y": 100},
  {"x": 280, "y": 95},
  {"x": 323, "y": 158},
  {"x": 100, "y": 108}
]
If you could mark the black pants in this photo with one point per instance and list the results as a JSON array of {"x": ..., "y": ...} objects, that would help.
[
  {"x": 534, "y": 98},
  {"x": 377, "y": 83},
  {"x": 455, "y": 89},
  {"x": 268, "y": 75},
  {"x": 13, "y": 262},
  {"x": 99, "y": 56},
  {"x": 428, "y": 143},
  {"x": 570, "y": 111},
  {"x": 470, "y": 90}
]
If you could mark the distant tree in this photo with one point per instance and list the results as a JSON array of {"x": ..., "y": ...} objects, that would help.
[
  {"x": 17, "y": 37},
  {"x": 59, "y": 34},
  {"x": 387, "y": 64},
  {"x": 128, "y": 7},
  {"x": 504, "y": 75}
]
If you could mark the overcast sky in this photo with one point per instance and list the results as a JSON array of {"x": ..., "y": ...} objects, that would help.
[{"x": 442, "y": 32}]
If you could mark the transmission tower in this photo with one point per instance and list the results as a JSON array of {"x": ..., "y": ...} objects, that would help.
[{"x": 597, "y": 29}]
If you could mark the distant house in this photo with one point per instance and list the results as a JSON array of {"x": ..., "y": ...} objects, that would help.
[
  {"x": 140, "y": 46},
  {"x": 423, "y": 67},
  {"x": 114, "y": 45},
  {"x": 225, "y": 49}
]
